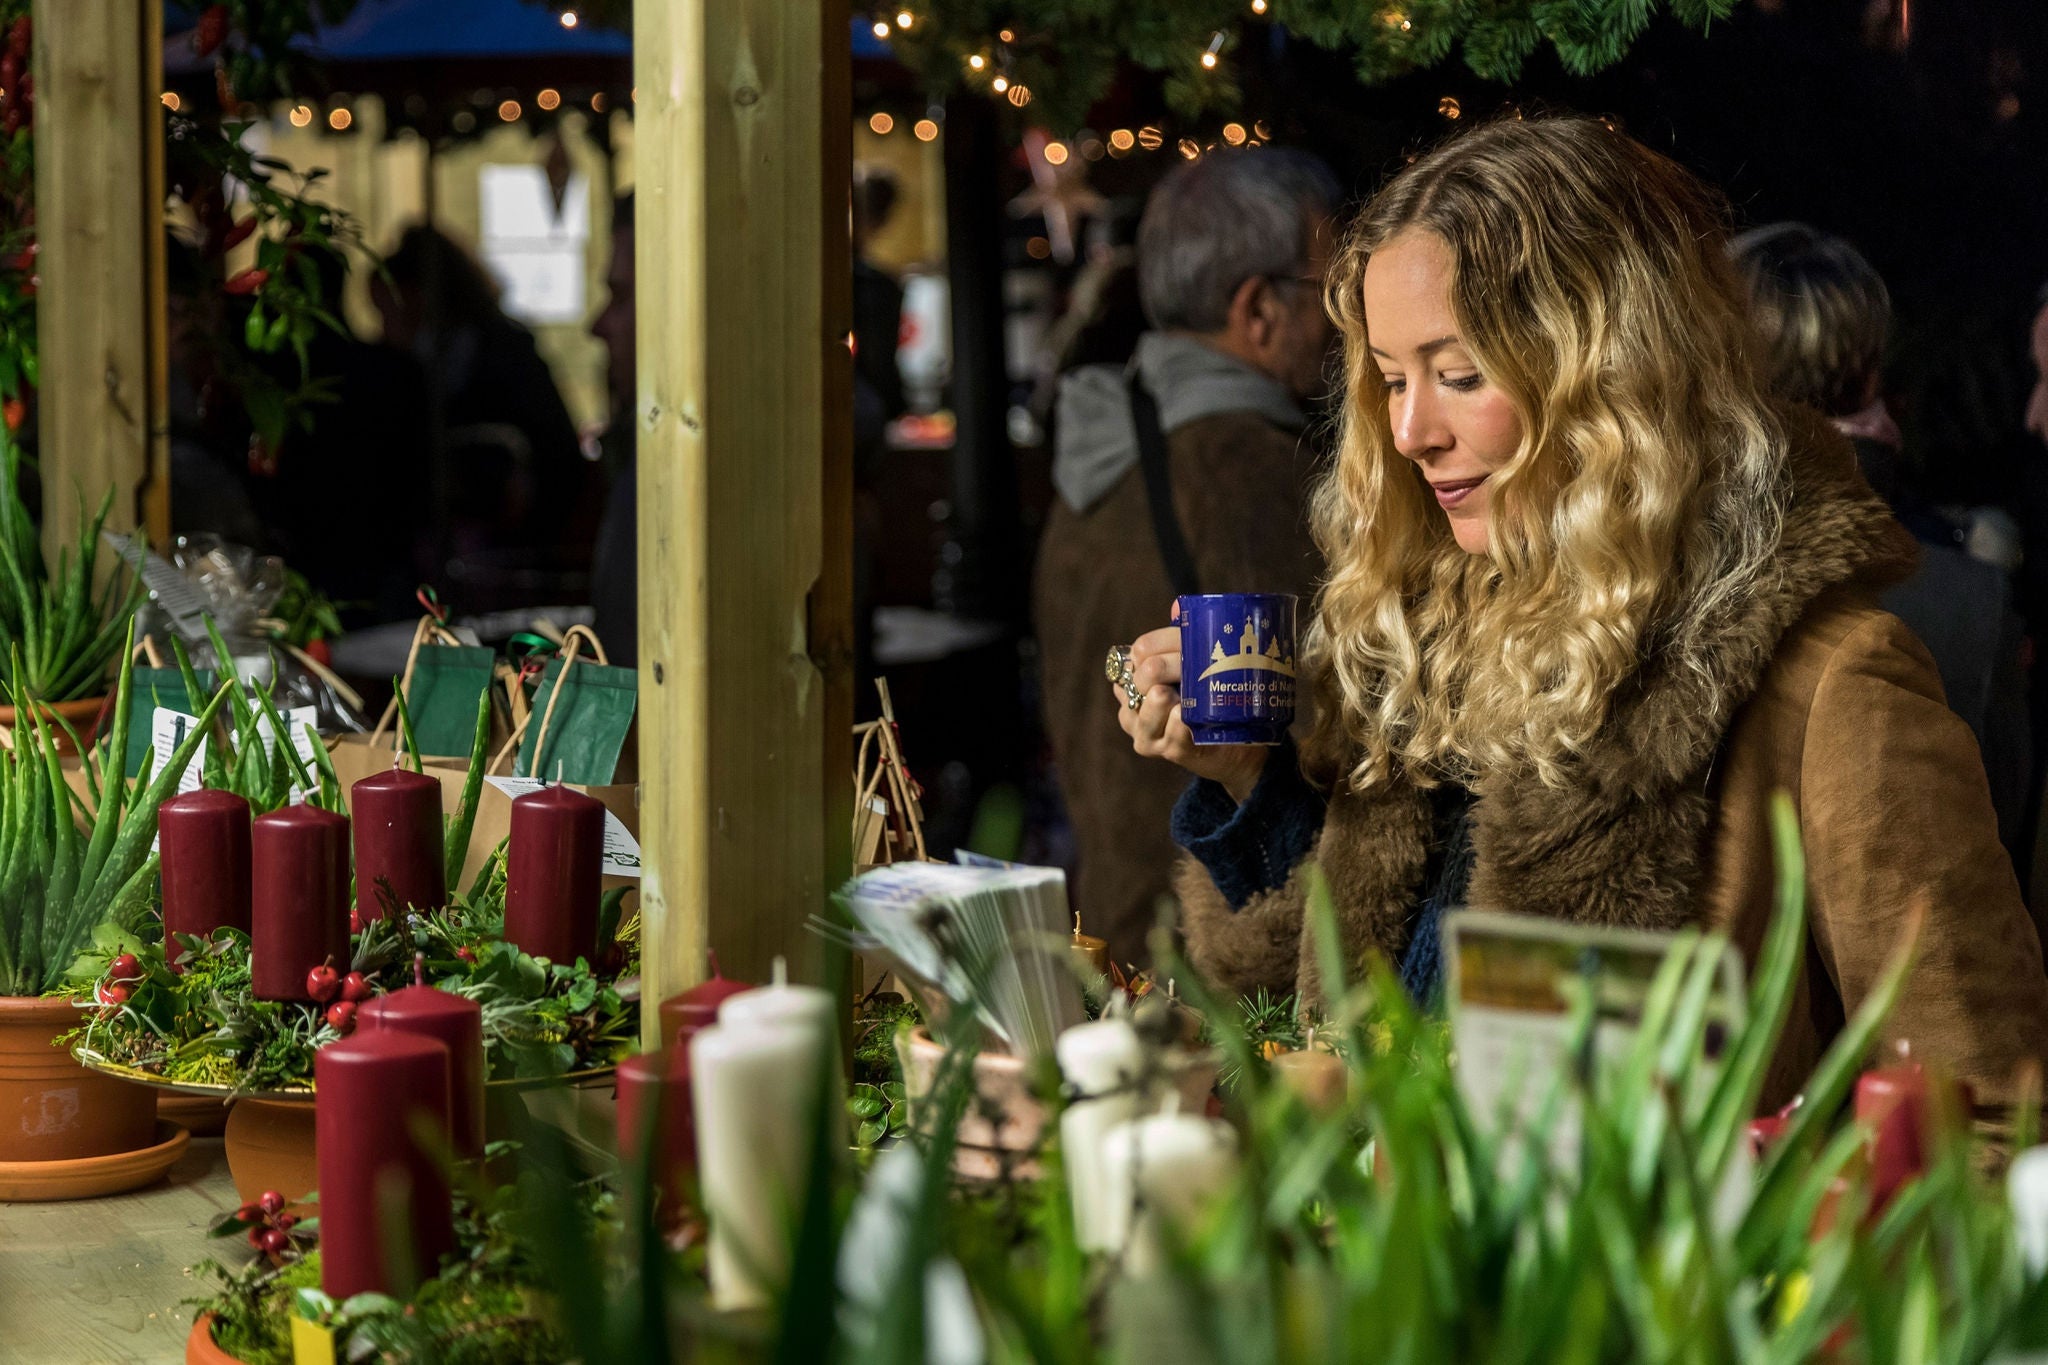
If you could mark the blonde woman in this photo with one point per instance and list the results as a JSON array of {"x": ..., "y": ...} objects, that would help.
[{"x": 1592, "y": 598}]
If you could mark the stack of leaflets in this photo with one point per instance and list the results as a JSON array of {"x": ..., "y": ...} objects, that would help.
[{"x": 987, "y": 937}]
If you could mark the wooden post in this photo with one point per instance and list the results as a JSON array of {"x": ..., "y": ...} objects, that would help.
[
  {"x": 96, "y": 120},
  {"x": 743, "y": 414}
]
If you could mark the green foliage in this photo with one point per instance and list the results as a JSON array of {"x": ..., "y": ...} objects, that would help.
[
  {"x": 201, "y": 1025},
  {"x": 57, "y": 635},
  {"x": 61, "y": 880},
  {"x": 1620, "y": 1220},
  {"x": 251, "y": 753},
  {"x": 462, "y": 824},
  {"x": 1067, "y": 52},
  {"x": 303, "y": 614}
]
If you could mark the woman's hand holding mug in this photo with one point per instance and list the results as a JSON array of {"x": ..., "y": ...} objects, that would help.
[{"x": 1155, "y": 724}]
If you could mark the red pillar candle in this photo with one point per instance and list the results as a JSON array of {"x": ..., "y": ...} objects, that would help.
[
  {"x": 553, "y": 874},
  {"x": 376, "y": 1096},
  {"x": 654, "y": 1103},
  {"x": 397, "y": 816},
  {"x": 204, "y": 839},
  {"x": 457, "y": 1023},
  {"x": 1901, "y": 1105},
  {"x": 300, "y": 905},
  {"x": 696, "y": 1008}
]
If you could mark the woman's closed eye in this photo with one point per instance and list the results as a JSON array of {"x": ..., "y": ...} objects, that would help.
[{"x": 1464, "y": 383}]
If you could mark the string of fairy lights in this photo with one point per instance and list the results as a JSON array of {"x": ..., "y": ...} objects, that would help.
[{"x": 992, "y": 65}]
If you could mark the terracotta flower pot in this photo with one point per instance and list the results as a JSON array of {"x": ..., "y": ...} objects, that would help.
[
  {"x": 82, "y": 715},
  {"x": 200, "y": 1348},
  {"x": 53, "y": 1109},
  {"x": 269, "y": 1146}
]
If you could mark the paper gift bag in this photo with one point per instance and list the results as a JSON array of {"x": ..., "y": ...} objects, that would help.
[
  {"x": 441, "y": 699},
  {"x": 585, "y": 712}
]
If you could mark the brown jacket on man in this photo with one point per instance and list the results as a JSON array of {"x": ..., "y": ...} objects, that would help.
[
  {"x": 1813, "y": 691},
  {"x": 1240, "y": 483}
]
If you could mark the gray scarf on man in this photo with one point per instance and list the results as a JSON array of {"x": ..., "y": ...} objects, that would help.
[{"x": 1095, "y": 443}]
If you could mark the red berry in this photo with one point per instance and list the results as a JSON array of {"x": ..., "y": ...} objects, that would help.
[
  {"x": 18, "y": 38},
  {"x": 248, "y": 282},
  {"x": 126, "y": 967},
  {"x": 117, "y": 994},
  {"x": 274, "y": 1243},
  {"x": 355, "y": 920},
  {"x": 256, "y": 1237},
  {"x": 342, "y": 1015},
  {"x": 14, "y": 412},
  {"x": 466, "y": 954},
  {"x": 285, "y": 1221},
  {"x": 354, "y": 987},
  {"x": 249, "y": 1213},
  {"x": 323, "y": 983},
  {"x": 271, "y": 1202}
]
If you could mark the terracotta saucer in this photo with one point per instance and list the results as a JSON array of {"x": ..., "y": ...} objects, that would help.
[{"x": 89, "y": 1177}]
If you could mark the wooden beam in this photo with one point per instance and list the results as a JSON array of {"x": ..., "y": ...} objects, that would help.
[
  {"x": 96, "y": 117},
  {"x": 743, "y": 154}
]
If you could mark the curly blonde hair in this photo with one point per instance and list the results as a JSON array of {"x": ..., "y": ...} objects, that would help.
[{"x": 1591, "y": 285}]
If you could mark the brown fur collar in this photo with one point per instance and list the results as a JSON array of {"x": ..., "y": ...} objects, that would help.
[{"x": 1622, "y": 843}]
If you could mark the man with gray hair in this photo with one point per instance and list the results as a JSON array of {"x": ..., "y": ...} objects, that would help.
[{"x": 1183, "y": 472}]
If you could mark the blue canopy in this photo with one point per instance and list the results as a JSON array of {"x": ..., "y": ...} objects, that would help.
[{"x": 415, "y": 30}]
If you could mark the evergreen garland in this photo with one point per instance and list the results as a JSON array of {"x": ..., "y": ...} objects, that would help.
[{"x": 1065, "y": 53}]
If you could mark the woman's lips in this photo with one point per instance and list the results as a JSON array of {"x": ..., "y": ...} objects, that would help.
[{"x": 1451, "y": 492}]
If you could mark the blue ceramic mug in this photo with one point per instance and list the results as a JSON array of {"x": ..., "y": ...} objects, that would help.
[{"x": 1237, "y": 662}]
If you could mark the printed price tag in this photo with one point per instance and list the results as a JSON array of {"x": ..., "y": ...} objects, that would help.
[
  {"x": 167, "y": 730},
  {"x": 621, "y": 849}
]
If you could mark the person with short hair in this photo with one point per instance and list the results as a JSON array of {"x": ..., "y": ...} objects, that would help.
[
  {"x": 1595, "y": 596},
  {"x": 1824, "y": 315},
  {"x": 1231, "y": 254}
]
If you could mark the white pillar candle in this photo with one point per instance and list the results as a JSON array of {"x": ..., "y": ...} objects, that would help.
[
  {"x": 1163, "y": 1171},
  {"x": 806, "y": 1006},
  {"x": 1103, "y": 1059},
  {"x": 755, "y": 1088},
  {"x": 2026, "y": 1185}
]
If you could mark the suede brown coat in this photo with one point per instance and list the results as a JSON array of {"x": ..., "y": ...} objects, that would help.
[
  {"x": 1239, "y": 486},
  {"x": 1812, "y": 690}
]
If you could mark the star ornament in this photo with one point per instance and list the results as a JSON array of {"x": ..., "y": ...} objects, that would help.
[{"x": 1060, "y": 193}]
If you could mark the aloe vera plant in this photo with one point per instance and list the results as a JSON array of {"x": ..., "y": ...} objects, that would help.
[
  {"x": 63, "y": 873},
  {"x": 57, "y": 635}
]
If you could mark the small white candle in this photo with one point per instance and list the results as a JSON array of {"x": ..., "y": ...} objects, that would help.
[
  {"x": 806, "y": 1006},
  {"x": 755, "y": 1087},
  {"x": 1104, "y": 1060},
  {"x": 1163, "y": 1171},
  {"x": 2026, "y": 1185}
]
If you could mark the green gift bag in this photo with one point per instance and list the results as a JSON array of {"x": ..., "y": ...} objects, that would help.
[
  {"x": 582, "y": 714},
  {"x": 151, "y": 688},
  {"x": 447, "y": 681}
]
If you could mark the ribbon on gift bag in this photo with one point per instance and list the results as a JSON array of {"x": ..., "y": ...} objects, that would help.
[{"x": 586, "y": 711}]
